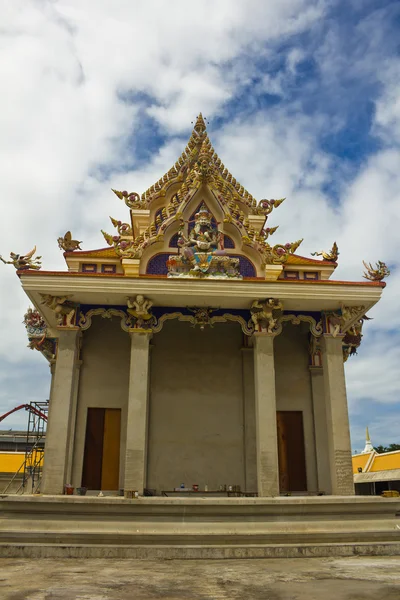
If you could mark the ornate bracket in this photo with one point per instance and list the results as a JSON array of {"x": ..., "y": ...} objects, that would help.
[
  {"x": 202, "y": 318},
  {"x": 64, "y": 310},
  {"x": 316, "y": 328},
  {"x": 337, "y": 323},
  {"x": 265, "y": 315},
  {"x": 85, "y": 319}
]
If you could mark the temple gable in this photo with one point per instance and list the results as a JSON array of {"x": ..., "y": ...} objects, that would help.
[{"x": 166, "y": 211}]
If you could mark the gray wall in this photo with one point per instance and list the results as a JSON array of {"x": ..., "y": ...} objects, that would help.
[{"x": 196, "y": 407}]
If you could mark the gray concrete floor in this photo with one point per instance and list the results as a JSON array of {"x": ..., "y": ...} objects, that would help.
[{"x": 357, "y": 578}]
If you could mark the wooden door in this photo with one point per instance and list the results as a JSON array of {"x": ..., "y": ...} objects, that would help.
[
  {"x": 291, "y": 451},
  {"x": 102, "y": 447},
  {"x": 111, "y": 445}
]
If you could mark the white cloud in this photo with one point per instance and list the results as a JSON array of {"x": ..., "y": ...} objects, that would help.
[{"x": 78, "y": 79}]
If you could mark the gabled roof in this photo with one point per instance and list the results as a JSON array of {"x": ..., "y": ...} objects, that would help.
[{"x": 200, "y": 150}]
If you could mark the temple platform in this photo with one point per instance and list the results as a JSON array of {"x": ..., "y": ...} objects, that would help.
[{"x": 99, "y": 527}]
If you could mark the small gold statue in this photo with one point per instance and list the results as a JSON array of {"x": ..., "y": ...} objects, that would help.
[
  {"x": 380, "y": 272},
  {"x": 24, "y": 262},
  {"x": 333, "y": 255},
  {"x": 67, "y": 243}
]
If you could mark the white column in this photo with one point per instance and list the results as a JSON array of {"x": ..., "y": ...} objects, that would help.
[
  {"x": 249, "y": 420},
  {"x": 266, "y": 431},
  {"x": 136, "y": 425},
  {"x": 320, "y": 430},
  {"x": 61, "y": 400},
  {"x": 337, "y": 416}
]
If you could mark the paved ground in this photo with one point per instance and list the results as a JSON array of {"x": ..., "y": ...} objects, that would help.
[{"x": 263, "y": 579}]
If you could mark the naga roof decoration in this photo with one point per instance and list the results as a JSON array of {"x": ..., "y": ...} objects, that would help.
[{"x": 198, "y": 165}]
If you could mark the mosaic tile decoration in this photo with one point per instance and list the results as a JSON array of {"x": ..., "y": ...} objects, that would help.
[
  {"x": 173, "y": 242},
  {"x": 228, "y": 242},
  {"x": 157, "y": 265}
]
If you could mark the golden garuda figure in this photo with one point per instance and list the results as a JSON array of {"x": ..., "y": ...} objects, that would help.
[
  {"x": 23, "y": 262},
  {"x": 333, "y": 255},
  {"x": 67, "y": 244},
  {"x": 380, "y": 272}
]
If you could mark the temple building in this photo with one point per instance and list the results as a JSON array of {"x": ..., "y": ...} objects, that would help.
[{"x": 194, "y": 351}]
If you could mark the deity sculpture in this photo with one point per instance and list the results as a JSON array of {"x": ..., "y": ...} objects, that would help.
[
  {"x": 23, "y": 262},
  {"x": 202, "y": 241},
  {"x": 64, "y": 309},
  {"x": 140, "y": 309},
  {"x": 264, "y": 314}
]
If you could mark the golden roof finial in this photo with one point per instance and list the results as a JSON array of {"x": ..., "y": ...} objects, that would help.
[
  {"x": 367, "y": 438},
  {"x": 200, "y": 125}
]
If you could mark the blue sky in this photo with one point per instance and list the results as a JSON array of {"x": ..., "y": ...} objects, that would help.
[{"x": 302, "y": 99}]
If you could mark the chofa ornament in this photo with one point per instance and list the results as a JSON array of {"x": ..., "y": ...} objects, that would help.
[
  {"x": 333, "y": 255},
  {"x": 380, "y": 272},
  {"x": 67, "y": 244},
  {"x": 24, "y": 262}
]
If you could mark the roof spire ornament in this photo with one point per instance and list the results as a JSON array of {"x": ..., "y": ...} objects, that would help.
[
  {"x": 200, "y": 125},
  {"x": 368, "y": 446}
]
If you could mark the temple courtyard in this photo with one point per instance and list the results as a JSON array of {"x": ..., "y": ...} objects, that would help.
[{"x": 358, "y": 578}]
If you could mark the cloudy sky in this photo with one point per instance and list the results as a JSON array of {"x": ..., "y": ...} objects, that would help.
[{"x": 302, "y": 99}]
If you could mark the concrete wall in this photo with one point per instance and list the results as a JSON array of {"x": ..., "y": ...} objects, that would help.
[
  {"x": 293, "y": 388},
  {"x": 201, "y": 408},
  {"x": 196, "y": 407},
  {"x": 103, "y": 382}
]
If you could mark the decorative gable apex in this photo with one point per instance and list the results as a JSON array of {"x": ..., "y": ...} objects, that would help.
[{"x": 165, "y": 210}]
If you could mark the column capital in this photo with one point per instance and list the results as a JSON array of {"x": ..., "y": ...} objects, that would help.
[
  {"x": 331, "y": 336},
  {"x": 140, "y": 334},
  {"x": 265, "y": 334},
  {"x": 316, "y": 370}
]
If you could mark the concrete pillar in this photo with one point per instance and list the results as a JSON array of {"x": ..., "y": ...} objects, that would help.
[
  {"x": 337, "y": 417},
  {"x": 320, "y": 430},
  {"x": 137, "y": 414},
  {"x": 266, "y": 431},
  {"x": 249, "y": 420},
  {"x": 72, "y": 423},
  {"x": 61, "y": 400}
]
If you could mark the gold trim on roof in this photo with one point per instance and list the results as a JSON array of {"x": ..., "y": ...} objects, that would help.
[{"x": 101, "y": 253}]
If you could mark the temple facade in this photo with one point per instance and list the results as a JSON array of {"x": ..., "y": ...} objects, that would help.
[{"x": 192, "y": 350}]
